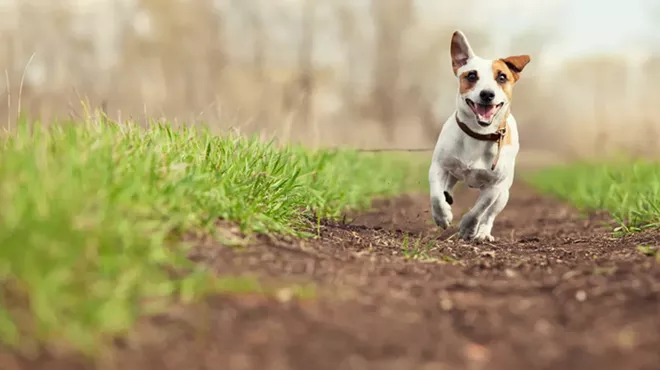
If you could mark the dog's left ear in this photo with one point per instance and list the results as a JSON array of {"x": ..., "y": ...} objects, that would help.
[
  {"x": 460, "y": 50},
  {"x": 516, "y": 64}
]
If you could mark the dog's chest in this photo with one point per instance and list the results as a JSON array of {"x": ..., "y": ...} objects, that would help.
[
  {"x": 475, "y": 154},
  {"x": 472, "y": 164}
]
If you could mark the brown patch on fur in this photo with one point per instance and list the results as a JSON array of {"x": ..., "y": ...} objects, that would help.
[
  {"x": 511, "y": 68},
  {"x": 500, "y": 67},
  {"x": 464, "y": 84},
  {"x": 505, "y": 140},
  {"x": 517, "y": 63},
  {"x": 507, "y": 137},
  {"x": 507, "y": 134}
]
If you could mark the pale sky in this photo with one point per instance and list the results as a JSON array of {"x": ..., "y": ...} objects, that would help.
[
  {"x": 598, "y": 25},
  {"x": 579, "y": 26}
]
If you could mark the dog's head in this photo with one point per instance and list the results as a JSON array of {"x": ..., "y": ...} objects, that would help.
[{"x": 485, "y": 86}]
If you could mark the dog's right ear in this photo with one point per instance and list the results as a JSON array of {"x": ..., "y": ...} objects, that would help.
[{"x": 461, "y": 51}]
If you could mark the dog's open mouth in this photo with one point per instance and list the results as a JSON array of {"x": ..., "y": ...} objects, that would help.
[{"x": 484, "y": 113}]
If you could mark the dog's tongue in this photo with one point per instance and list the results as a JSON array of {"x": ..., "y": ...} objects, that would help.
[{"x": 485, "y": 111}]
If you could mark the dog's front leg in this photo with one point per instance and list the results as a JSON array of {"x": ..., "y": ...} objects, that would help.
[
  {"x": 441, "y": 184},
  {"x": 469, "y": 227}
]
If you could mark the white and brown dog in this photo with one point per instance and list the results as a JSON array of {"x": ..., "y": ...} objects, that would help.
[{"x": 478, "y": 144}]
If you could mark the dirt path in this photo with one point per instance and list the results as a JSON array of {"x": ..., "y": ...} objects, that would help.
[{"x": 554, "y": 292}]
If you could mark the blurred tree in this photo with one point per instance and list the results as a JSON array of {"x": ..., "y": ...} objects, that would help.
[
  {"x": 161, "y": 54},
  {"x": 391, "y": 21},
  {"x": 306, "y": 81},
  {"x": 57, "y": 51},
  {"x": 348, "y": 36},
  {"x": 252, "y": 11}
]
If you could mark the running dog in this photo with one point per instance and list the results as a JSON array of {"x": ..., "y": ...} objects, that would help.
[{"x": 478, "y": 143}]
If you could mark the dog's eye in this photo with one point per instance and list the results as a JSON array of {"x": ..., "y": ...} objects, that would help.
[
  {"x": 502, "y": 78},
  {"x": 472, "y": 76}
]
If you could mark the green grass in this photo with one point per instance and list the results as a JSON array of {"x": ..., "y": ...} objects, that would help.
[
  {"x": 647, "y": 250},
  {"x": 91, "y": 212},
  {"x": 415, "y": 250},
  {"x": 419, "y": 250},
  {"x": 629, "y": 190}
]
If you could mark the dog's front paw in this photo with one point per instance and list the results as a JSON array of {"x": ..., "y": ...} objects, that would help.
[
  {"x": 483, "y": 237},
  {"x": 467, "y": 229},
  {"x": 442, "y": 216},
  {"x": 443, "y": 221},
  {"x": 483, "y": 234}
]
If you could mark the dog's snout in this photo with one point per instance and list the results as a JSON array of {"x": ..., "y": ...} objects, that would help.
[{"x": 487, "y": 96}]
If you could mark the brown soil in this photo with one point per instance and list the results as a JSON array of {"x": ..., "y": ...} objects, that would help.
[{"x": 556, "y": 291}]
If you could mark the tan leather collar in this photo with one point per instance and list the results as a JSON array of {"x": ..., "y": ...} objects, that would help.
[{"x": 497, "y": 136}]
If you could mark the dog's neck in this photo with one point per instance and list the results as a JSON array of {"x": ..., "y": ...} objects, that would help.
[{"x": 500, "y": 136}]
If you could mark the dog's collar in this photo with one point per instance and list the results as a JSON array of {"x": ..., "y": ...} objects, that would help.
[{"x": 497, "y": 136}]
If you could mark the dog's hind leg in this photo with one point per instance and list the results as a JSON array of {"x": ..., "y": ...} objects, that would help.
[{"x": 441, "y": 185}]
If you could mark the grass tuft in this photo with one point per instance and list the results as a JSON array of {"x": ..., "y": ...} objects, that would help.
[
  {"x": 630, "y": 191},
  {"x": 89, "y": 211}
]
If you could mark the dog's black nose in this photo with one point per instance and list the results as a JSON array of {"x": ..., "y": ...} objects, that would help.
[{"x": 487, "y": 96}]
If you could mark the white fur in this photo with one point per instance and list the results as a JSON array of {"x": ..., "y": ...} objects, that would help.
[{"x": 458, "y": 157}]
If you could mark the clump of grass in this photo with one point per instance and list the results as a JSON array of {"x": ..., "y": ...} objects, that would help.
[
  {"x": 630, "y": 191},
  {"x": 418, "y": 250},
  {"x": 88, "y": 208},
  {"x": 415, "y": 250},
  {"x": 650, "y": 251},
  {"x": 647, "y": 250}
]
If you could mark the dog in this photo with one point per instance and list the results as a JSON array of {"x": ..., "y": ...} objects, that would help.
[{"x": 478, "y": 143}]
